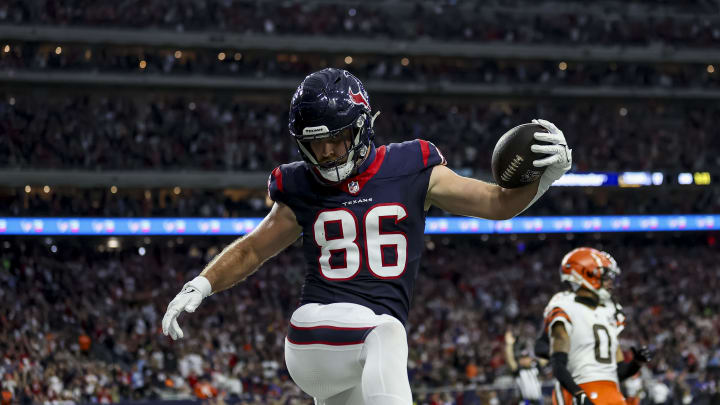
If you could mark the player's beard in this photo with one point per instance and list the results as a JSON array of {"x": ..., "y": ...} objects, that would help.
[{"x": 339, "y": 169}]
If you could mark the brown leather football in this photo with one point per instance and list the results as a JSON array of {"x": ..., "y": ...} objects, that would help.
[{"x": 512, "y": 159}]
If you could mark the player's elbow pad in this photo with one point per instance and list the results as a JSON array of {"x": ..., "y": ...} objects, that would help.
[
  {"x": 559, "y": 362},
  {"x": 627, "y": 369}
]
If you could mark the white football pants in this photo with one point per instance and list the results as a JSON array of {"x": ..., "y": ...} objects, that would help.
[{"x": 345, "y": 354}]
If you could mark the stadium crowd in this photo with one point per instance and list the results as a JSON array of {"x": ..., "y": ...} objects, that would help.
[
  {"x": 54, "y": 57},
  {"x": 99, "y": 132},
  {"x": 77, "y": 202},
  {"x": 82, "y": 324},
  {"x": 608, "y": 22}
]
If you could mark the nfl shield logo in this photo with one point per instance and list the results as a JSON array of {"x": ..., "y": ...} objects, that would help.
[{"x": 354, "y": 187}]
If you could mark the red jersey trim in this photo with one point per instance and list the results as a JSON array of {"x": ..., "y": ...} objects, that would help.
[
  {"x": 365, "y": 176},
  {"x": 425, "y": 148},
  {"x": 277, "y": 174}
]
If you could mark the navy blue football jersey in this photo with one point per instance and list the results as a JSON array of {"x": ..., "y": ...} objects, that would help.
[{"x": 363, "y": 238}]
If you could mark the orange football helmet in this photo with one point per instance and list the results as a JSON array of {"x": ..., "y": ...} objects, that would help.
[{"x": 589, "y": 268}]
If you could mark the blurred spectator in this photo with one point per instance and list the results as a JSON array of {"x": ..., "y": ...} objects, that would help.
[
  {"x": 417, "y": 69},
  {"x": 571, "y": 22},
  {"x": 166, "y": 131},
  {"x": 235, "y": 341},
  {"x": 61, "y": 201}
]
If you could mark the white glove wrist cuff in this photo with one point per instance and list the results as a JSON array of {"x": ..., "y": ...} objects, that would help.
[
  {"x": 202, "y": 284},
  {"x": 543, "y": 185}
]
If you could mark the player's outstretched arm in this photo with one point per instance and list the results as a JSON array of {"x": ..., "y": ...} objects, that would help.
[
  {"x": 235, "y": 263},
  {"x": 626, "y": 369},
  {"x": 241, "y": 258},
  {"x": 465, "y": 196},
  {"x": 509, "y": 355},
  {"x": 474, "y": 198}
]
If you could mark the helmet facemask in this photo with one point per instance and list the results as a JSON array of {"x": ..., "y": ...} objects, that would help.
[
  {"x": 611, "y": 273},
  {"x": 357, "y": 139},
  {"x": 576, "y": 281}
]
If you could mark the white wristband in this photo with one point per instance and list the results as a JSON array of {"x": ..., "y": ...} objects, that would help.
[{"x": 200, "y": 283}]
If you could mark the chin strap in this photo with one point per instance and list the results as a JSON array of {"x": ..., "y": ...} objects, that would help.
[{"x": 373, "y": 118}]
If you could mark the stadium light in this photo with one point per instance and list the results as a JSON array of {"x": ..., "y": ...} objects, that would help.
[
  {"x": 685, "y": 178},
  {"x": 113, "y": 243},
  {"x": 702, "y": 178}
]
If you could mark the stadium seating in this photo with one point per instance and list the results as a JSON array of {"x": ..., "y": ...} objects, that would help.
[
  {"x": 214, "y": 132},
  {"x": 80, "y": 321},
  {"x": 609, "y": 22},
  {"x": 165, "y": 88}
]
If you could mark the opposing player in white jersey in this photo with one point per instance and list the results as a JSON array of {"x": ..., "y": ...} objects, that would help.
[{"x": 583, "y": 326}]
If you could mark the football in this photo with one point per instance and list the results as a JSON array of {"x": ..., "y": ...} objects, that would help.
[{"x": 512, "y": 159}]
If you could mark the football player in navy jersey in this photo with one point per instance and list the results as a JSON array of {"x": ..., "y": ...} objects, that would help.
[{"x": 360, "y": 210}]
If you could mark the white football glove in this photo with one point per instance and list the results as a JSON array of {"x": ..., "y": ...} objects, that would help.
[
  {"x": 188, "y": 299},
  {"x": 559, "y": 160}
]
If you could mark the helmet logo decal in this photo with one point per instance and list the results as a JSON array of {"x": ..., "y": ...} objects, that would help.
[
  {"x": 358, "y": 98},
  {"x": 322, "y": 129}
]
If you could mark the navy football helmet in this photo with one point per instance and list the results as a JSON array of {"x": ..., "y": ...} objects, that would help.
[{"x": 327, "y": 104}]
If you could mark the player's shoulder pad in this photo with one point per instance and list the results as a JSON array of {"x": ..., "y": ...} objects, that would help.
[
  {"x": 285, "y": 181},
  {"x": 558, "y": 310},
  {"x": 414, "y": 156},
  {"x": 560, "y": 299}
]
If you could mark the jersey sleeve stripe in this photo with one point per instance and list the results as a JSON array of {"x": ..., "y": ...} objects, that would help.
[
  {"x": 557, "y": 312},
  {"x": 554, "y": 314},
  {"x": 554, "y": 311},
  {"x": 425, "y": 149},
  {"x": 277, "y": 174}
]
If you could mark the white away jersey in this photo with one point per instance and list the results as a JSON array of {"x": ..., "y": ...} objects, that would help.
[{"x": 593, "y": 336}]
